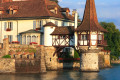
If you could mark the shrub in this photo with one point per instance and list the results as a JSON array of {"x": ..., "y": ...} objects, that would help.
[
  {"x": 6, "y": 56},
  {"x": 76, "y": 55}
]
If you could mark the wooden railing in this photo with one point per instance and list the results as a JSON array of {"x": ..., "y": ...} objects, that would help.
[{"x": 102, "y": 42}]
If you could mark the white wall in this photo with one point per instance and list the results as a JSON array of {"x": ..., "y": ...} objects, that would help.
[{"x": 47, "y": 37}]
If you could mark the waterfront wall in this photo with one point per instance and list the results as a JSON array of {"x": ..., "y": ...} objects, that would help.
[
  {"x": 21, "y": 66},
  {"x": 27, "y": 66},
  {"x": 115, "y": 61},
  {"x": 7, "y": 66}
]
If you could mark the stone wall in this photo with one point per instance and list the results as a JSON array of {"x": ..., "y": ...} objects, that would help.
[
  {"x": 21, "y": 66},
  {"x": 104, "y": 59},
  {"x": 51, "y": 62},
  {"x": 89, "y": 62},
  {"x": 115, "y": 61},
  {"x": 7, "y": 65},
  {"x": 27, "y": 66}
]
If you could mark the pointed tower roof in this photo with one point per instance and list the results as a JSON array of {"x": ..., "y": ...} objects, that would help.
[{"x": 90, "y": 21}]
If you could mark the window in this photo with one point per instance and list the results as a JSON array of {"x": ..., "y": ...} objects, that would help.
[
  {"x": 37, "y": 24},
  {"x": 10, "y": 38},
  {"x": 65, "y": 24},
  {"x": 62, "y": 24},
  {"x": 1, "y": 12},
  {"x": 84, "y": 37},
  {"x": 61, "y": 37},
  {"x": 10, "y": 11},
  {"x": 99, "y": 37},
  {"x": 70, "y": 24},
  {"x": 56, "y": 22},
  {"x": 55, "y": 11},
  {"x": 28, "y": 39},
  {"x": 8, "y": 26},
  {"x": 34, "y": 38},
  {"x": 24, "y": 39}
]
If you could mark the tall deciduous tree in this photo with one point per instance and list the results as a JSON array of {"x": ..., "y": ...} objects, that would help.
[{"x": 113, "y": 38}]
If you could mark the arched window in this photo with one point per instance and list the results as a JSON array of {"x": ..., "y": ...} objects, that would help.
[
  {"x": 28, "y": 39},
  {"x": 34, "y": 38},
  {"x": 24, "y": 39}
]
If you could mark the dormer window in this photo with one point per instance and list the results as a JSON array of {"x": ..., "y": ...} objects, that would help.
[
  {"x": 56, "y": 10},
  {"x": 12, "y": 9},
  {"x": 53, "y": 8},
  {"x": 65, "y": 11},
  {"x": 1, "y": 10}
]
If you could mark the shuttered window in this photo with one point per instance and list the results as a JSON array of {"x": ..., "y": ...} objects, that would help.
[
  {"x": 37, "y": 24},
  {"x": 8, "y": 26},
  {"x": 10, "y": 37}
]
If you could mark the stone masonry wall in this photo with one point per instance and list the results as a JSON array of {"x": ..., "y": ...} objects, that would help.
[
  {"x": 104, "y": 59},
  {"x": 7, "y": 65},
  {"x": 27, "y": 66},
  {"x": 40, "y": 54},
  {"x": 51, "y": 62},
  {"x": 89, "y": 62}
]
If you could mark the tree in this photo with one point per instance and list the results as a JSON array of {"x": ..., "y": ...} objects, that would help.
[{"x": 113, "y": 38}]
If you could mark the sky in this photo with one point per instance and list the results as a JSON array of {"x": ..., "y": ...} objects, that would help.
[{"x": 107, "y": 10}]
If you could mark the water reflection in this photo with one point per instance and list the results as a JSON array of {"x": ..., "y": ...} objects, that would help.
[{"x": 106, "y": 74}]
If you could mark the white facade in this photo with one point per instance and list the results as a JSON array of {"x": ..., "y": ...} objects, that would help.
[
  {"x": 47, "y": 37},
  {"x": 24, "y": 25}
]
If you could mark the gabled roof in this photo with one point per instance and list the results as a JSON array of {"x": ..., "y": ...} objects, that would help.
[
  {"x": 90, "y": 21},
  {"x": 50, "y": 24},
  {"x": 65, "y": 30},
  {"x": 30, "y": 31},
  {"x": 33, "y": 9}
]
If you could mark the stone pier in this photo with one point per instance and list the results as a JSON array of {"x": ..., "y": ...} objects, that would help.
[{"x": 89, "y": 60}]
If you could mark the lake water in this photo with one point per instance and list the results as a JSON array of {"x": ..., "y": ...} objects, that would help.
[{"x": 105, "y": 74}]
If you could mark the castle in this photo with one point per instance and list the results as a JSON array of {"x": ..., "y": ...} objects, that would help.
[{"x": 44, "y": 22}]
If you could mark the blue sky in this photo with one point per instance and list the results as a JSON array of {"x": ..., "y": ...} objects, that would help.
[{"x": 107, "y": 10}]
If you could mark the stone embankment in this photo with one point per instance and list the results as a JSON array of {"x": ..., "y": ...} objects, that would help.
[{"x": 115, "y": 61}]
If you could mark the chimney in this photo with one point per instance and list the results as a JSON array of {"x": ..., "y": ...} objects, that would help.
[{"x": 76, "y": 18}]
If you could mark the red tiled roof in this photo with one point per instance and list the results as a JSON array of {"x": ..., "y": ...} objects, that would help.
[
  {"x": 90, "y": 21},
  {"x": 33, "y": 9},
  {"x": 51, "y": 7},
  {"x": 50, "y": 24},
  {"x": 65, "y": 30}
]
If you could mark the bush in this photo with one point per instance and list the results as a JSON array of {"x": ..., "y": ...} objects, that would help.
[
  {"x": 76, "y": 55},
  {"x": 6, "y": 56}
]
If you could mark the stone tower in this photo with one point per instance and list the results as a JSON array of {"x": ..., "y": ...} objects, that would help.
[{"x": 90, "y": 38}]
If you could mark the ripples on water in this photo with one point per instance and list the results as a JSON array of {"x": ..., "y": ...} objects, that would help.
[{"x": 105, "y": 74}]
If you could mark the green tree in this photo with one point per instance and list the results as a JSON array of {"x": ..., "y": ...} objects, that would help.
[{"x": 112, "y": 37}]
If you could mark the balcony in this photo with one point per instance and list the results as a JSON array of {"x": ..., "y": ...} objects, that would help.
[{"x": 102, "y": 42}]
